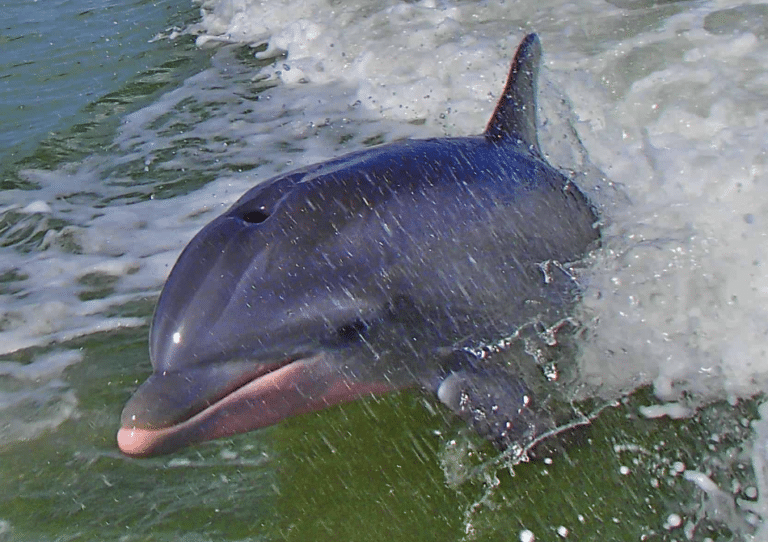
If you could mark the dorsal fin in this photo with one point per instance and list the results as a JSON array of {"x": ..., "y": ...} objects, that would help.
[{"x": 515, "y": 114}]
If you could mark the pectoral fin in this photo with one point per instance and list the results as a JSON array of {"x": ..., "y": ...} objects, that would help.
[{"x": 496, "y": 403}]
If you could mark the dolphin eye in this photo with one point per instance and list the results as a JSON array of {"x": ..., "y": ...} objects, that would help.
[
  {"x": 255, "y": 217},
  {"x": 352, "y": 332}
]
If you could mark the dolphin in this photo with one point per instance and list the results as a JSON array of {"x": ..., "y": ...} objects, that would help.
[{"x": 416, "y": 263}]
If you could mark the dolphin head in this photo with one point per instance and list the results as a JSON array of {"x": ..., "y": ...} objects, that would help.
[{"x": 275, "y": 308}]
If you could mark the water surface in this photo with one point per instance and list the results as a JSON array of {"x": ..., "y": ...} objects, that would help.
[{"x": 126, "y": 127}]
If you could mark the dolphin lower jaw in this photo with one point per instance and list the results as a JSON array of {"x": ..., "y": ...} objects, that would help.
[{"x": 294, "y": 387}]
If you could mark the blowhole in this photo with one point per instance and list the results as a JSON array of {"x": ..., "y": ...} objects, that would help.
[{"x": 255, "y": 217}]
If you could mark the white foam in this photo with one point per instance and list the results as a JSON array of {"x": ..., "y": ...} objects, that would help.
[
  {"x": 673, "y": 410},
  {"x": 37, "y": 207}
]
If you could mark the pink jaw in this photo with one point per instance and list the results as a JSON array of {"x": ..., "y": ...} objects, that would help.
[{"x": 297, "y": 388}]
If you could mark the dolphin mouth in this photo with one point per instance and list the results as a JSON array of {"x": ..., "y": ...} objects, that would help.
[{"x": 163, "y": 416}]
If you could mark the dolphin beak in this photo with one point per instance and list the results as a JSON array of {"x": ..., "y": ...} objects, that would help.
[{"x": 173, "y": 410}]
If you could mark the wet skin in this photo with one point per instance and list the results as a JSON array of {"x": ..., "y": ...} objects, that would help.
[{"x": 382, "y": 269}]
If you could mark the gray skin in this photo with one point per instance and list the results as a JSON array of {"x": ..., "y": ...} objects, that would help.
[{"x": 390, "y": 267}]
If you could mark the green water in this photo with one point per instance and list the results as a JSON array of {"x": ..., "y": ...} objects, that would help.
[{"x": 374, "y": 470}]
